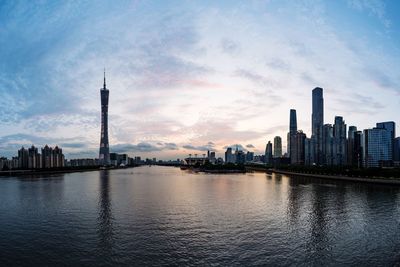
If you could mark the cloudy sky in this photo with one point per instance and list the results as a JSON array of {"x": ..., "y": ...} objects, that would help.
[{"x": 187, "y": 76}]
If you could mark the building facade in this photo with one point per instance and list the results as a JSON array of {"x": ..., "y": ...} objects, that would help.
[
  {"x": 376, "y": 147},
  {"x": 298, "y": 148},
  {"x": 229, "y": 156},
  {"x": 391, "y": 127},
  {"x": 277, "y": 147},
  {"x": 396, "y": 153},
  {"x": 268, "y": 153},
  {"x": 339, "y": 142},
  {"x": 317, "y": 122},
  {"x": 292, "y": 129}
]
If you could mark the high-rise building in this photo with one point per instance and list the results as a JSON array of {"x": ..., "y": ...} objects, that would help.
[
  {"x": 339, "y": 142},
  {"x": 308, "y": 152},
  {"x": 240, "y": 157},
  {"x": 212, "y": 155},
  {"x": 376, "y": 147},
  {"x": 23, "y": 158},
  {"x": 229, "y": 156},
  {"x": 317, "y": 122},
  {"x": 351, "y": 159},
  {"x": 391, "y": 127},
  {"x": 34, "y": 158},
  {"x": 396, "y": 149},
  {"x": 298, "y": 148},
  {"x": 358, "y": 153},
  {"x": 249, "y": 156},
  {"x": 277, "y": 147},
  {"x": 104, "y": 154},
  {"x": 292, "y": 128},
  {"x": 52, "y": 158},
  {"x": 268, "y": 153},
  {"x": 354, "y": 149},
  {"x": 47, "y": 157},
  {"x": 327, "y": 144},
  {"x": 58, "y": 158}
]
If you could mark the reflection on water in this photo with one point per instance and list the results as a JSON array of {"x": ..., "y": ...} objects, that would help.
[
  {"x": 165, "y": 216},
  {"x": 105, "y": 220}
]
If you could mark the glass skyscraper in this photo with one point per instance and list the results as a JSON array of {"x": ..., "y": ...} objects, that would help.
[
  {"x": 376, "y": 147},
  {"x": 292, "y": 129},
  {"x": 391, "y": 127},
  {"x": 277, "y": 147},
  {"x": 317, "y": 121},
  {"x": 268, "y": 153},
  {"x": 339, "y": 142}
]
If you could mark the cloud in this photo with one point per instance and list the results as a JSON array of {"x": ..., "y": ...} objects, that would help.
[
  {"x": 249, "y": 146},
  {"x": 383, "y": 80},
  {"x": 375, "y": 8},
  {"x": 73, "y": 145},
  {"x": 189, "y": 73},
  {"x": 278, "y": 64},
  {"x": 9, "y": 144},
  {"x": 238, "y": 146},
  {"x": 208, "y": 146},
  {"x": 230, "y": 47},
  {"x": 254, "y": 77},
  {"x": 357, "y": 103},
  {"x": 143, "y": 147}
]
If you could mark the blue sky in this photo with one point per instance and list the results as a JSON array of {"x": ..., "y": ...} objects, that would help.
[{"x": 187, "y": 76}]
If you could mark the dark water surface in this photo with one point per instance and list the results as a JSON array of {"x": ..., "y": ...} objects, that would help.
[{"x": 164, "y": 216}]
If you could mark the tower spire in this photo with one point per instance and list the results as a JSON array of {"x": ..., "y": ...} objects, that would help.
[{"x": 104, "y": 86}]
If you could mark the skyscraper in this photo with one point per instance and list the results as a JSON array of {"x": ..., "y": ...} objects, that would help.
[
  {"x": 391, "y": 127},
  {"x": 229, "y": 155},
  {"x": 34, "y": 158},
  {"x": 47, "y": 157},
  {"x": 339, "y": 142},
  {"x": 396, "y": 147},
  {"x": 268, "y": 153},
  {"x": 298, "y": 148},
  {"x": 23, "y": 158},
  {"x": 351, "y": 158},
  {"x": 104, "y": 154},
  {"x": 327, "y": 144},
  {"x": 277, "y": 147},
  {"x": 376, "y": 147},
  {"x": 292, "y": 129},
  {"x": 308, "y": 148},
  {"x": 317, "y": 121}
]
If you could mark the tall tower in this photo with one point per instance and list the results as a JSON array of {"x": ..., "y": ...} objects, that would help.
[
  {"x": 292, "y": 130},
  {"x": 339, "y": 141},
  {"x": 277, "y": 147},
  {"x": 268, "y": 153},
  {"x": 293, "y": 122},
  {"x": 317, "y": 121},
  {"x": 104, "y": 154}
]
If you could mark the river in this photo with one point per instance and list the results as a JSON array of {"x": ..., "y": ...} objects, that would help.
[{"x": 159, "y": 216}]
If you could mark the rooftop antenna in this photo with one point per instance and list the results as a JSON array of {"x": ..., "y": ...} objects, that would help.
[{"x": 104, "y": 86}]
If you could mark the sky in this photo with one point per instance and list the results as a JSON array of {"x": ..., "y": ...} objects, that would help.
[{"x": 191, "y": 76}]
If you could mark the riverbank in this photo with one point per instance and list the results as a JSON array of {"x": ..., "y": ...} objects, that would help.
[
  {"x": 55, "y": 171},
  {"x": 375, "y": 180},
  {"x": 223, "y": 171}
]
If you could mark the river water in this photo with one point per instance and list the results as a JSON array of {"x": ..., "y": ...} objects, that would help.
[{"x": 152, "y": 216}]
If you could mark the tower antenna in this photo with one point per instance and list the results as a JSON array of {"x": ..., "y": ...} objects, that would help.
[{"x": 104, "y": 86}]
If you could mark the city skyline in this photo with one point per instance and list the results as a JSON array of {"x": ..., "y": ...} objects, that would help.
[{"x": 186, "y": 88}]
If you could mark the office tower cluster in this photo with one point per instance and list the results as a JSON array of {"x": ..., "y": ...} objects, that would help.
[
  {"x": 238, "y": 157},
  {"x": 31, "y": 159},
  {"x": 211, "y": 156},
  {"x": 334, "y": 145}
]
